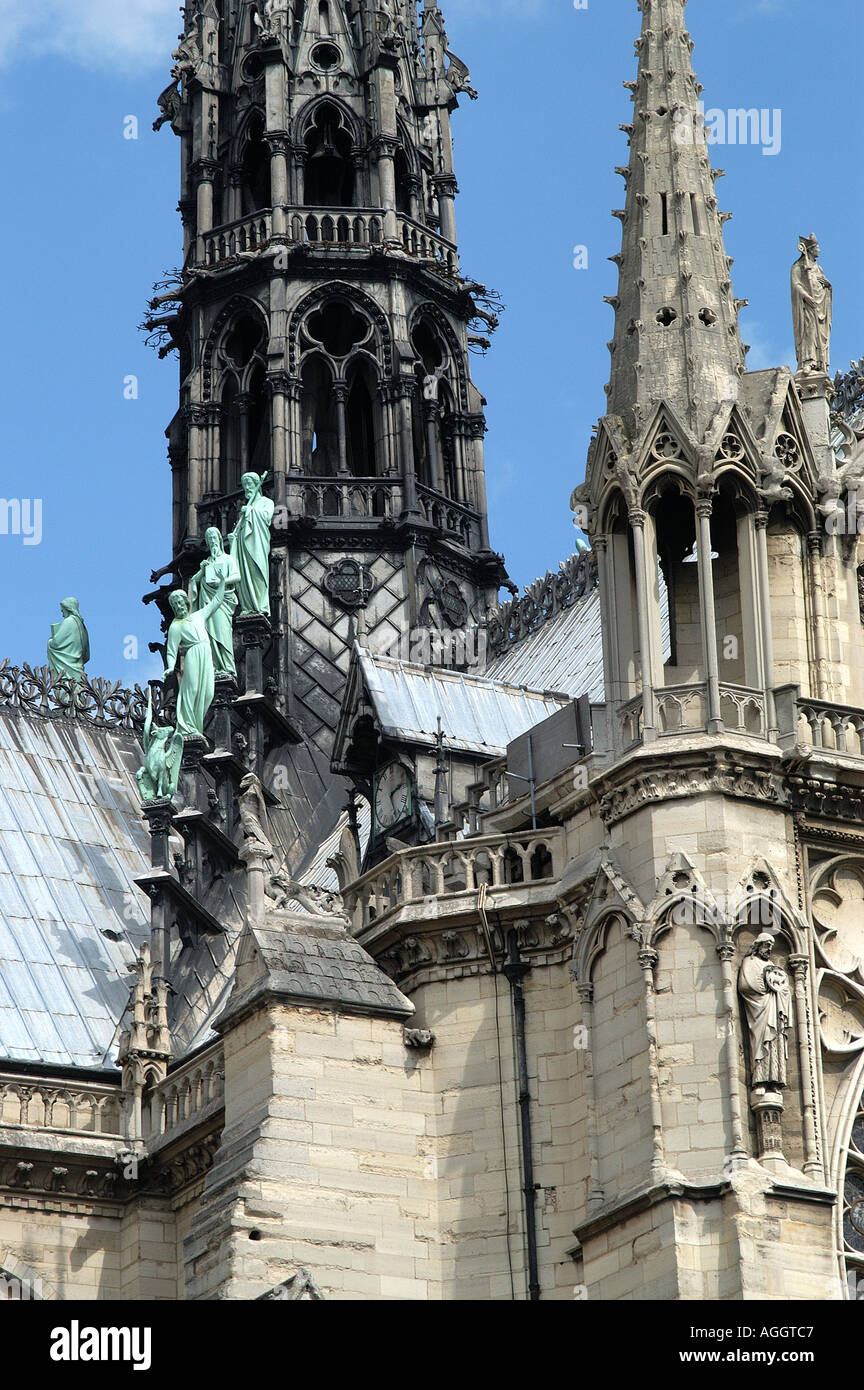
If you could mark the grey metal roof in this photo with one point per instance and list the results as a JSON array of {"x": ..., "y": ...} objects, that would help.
[
  {"x": 71, "y": 843},
  {"x": 565, "y": 653},
  {"x": 478, "y": 715}
]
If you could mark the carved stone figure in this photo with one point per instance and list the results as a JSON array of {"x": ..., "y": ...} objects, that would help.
[
  {"x": 250, "y": 545},
  {"x": 163, "y": 755},
  {"x": 69, "y": 644},
  {"x": 253, "y": 816},
  {"x": 812, "y": 309},
  {"x": 188, "y": 637},
  {"x": 218, "y": 566},
  {"x": 767, "y": 1000},
  {"x": 320, "y": 902}
]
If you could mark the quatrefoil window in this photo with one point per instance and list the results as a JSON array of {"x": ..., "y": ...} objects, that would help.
[
  {"x": 786, "y": 449},
  {"x": 731, "y": 447},
  {"x": 838, "y": 911},
  {"x": 666, "y": 446}
]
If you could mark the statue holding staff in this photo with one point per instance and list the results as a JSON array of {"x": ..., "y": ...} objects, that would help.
[
  {"x": 250, "y": 545},
  {"x": 219, "y": 565},
  {"x": 188, "y": 637}
]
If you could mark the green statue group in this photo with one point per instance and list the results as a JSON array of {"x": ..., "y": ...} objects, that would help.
[{"x": 234, "y": 576}]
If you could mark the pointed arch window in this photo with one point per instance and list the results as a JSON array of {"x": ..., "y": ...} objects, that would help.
[
  {"x": 330, "y": 176},
  {"x": 360, "y": 421},
  {"x": 319, "y": 426},
  {"x": 255, "y": 166}
]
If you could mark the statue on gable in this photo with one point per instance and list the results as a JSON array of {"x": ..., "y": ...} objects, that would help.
[
  {"x": 249, "y": 544},
  {"x": 163, "y": 755},
  {"x": 188, "y": 637},
  {"x": 219, "y": 566},
  {"x": 812, "y": 308},
  {"x": 69, "y": 644}
]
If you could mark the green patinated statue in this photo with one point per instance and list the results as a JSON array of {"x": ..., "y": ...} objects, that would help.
[
  {"x": 69, "y": 644},
  {"x": 250, "y": 546},
  {"x": 219, "y": 565},
  {"x": 188, "y": 637},
  {"x": 163, "y": 756}
]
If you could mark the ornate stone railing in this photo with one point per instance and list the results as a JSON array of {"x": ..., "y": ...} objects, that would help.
[
  {"x": 345, "y": 228},
  {"x": 344, "y": 497},
  {"x": 190, "y": 1093},
  {"x": 818, "y": 724},
  {"x": 337, "y": 227},
  {"x": 429, "y": 874},
  {"x": 451, "y": 517},
  {"x": 512, "y": 621},
  {"x": 683, "y": 709},
  {"x": 36, "y": 690},
  {"x": 222, "y": 512},
  {"x": 80, "y": 1108},
  {"x": 250, "y": 233},
  {"x": 422, "y": 244}
]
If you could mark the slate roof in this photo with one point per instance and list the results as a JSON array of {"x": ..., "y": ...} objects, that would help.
[
  {"x": 478, "y": 715},
  {"x": 565, "y": 653},
  {"x": 308, "y": 963},
  {"x": 71, "y": 918}
]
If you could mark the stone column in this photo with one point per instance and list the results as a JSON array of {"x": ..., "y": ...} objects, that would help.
[
  {"x": 386, "y": 148},
  {"x": 196, "y": 417},
  {"x": 204, "y": 172},
  {"x": 817, "y": 590},
  {"x": 799, "y": 966},
  {"x": 404, "y": 395},
  {"x": 648, "y": 960},
  {"x": 242, "y": 402},
  {"x": 726, "y": 952},
  {"x": 279, "y": 384},
  {"x": 279, "y": 146},
  {"x": 432, "y": 413},
  {"x": 596, "y": 1195},
  {"x": 340, "y": 396},
  {"x": 446, "y": 188},
  {"x": 761, "y": 524},
  {"x": 709, "y": 620},
  {"x": 477, "y": 426},
  {"x": 649, "y": 713}
]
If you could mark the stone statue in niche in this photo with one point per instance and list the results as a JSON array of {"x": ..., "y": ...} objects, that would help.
[
  {"x": 69, "y": 644},
  {"x": 219, "y": 565},
  {"x": 812, "y": 309},
  {"x": 767, "y": 1001},
  {"x": 250, "y": 545}
]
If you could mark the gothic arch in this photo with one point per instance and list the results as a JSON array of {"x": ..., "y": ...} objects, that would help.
[
  {"x": 236, "y": 305},
  {"x": 337, "y": 290},
  {"x": 306, "y": 118},
  {"x": 428, "y": 310}
]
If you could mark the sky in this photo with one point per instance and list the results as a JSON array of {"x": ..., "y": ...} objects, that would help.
[{"x": 90, "y": 224}]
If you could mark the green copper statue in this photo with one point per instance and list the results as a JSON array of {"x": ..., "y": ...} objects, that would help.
[
  {"x": 163, "y": 756},
  {"x": 188, "y": 637},
  {"x": 250, "y": 546},
  {"x": 69, "y": 644},
  {"x": 218, "y": 566}
]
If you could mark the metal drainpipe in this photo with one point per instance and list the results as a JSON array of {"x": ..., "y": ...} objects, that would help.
[{"x": 515, "y": 969}]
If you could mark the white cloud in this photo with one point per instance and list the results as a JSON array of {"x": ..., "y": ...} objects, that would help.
[{"x": 130, "y": 35}]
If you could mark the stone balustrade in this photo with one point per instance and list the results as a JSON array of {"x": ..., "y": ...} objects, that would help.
[
  {"x": 80, "y": 1108},
  {"x": 453, "y": 869},
  {"x": 683, "y": 709},
  {"x": 249, "y": 234},
  {"x": 188, "y": 1094},
  {"x": 819, "y": 724},
  {"x": 344, "y": 497}
]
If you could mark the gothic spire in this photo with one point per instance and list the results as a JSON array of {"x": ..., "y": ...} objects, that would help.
[{"x": 676, "y": 322}]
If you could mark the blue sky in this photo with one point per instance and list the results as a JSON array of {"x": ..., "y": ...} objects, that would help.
[{"x": 90, "y": 224}]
